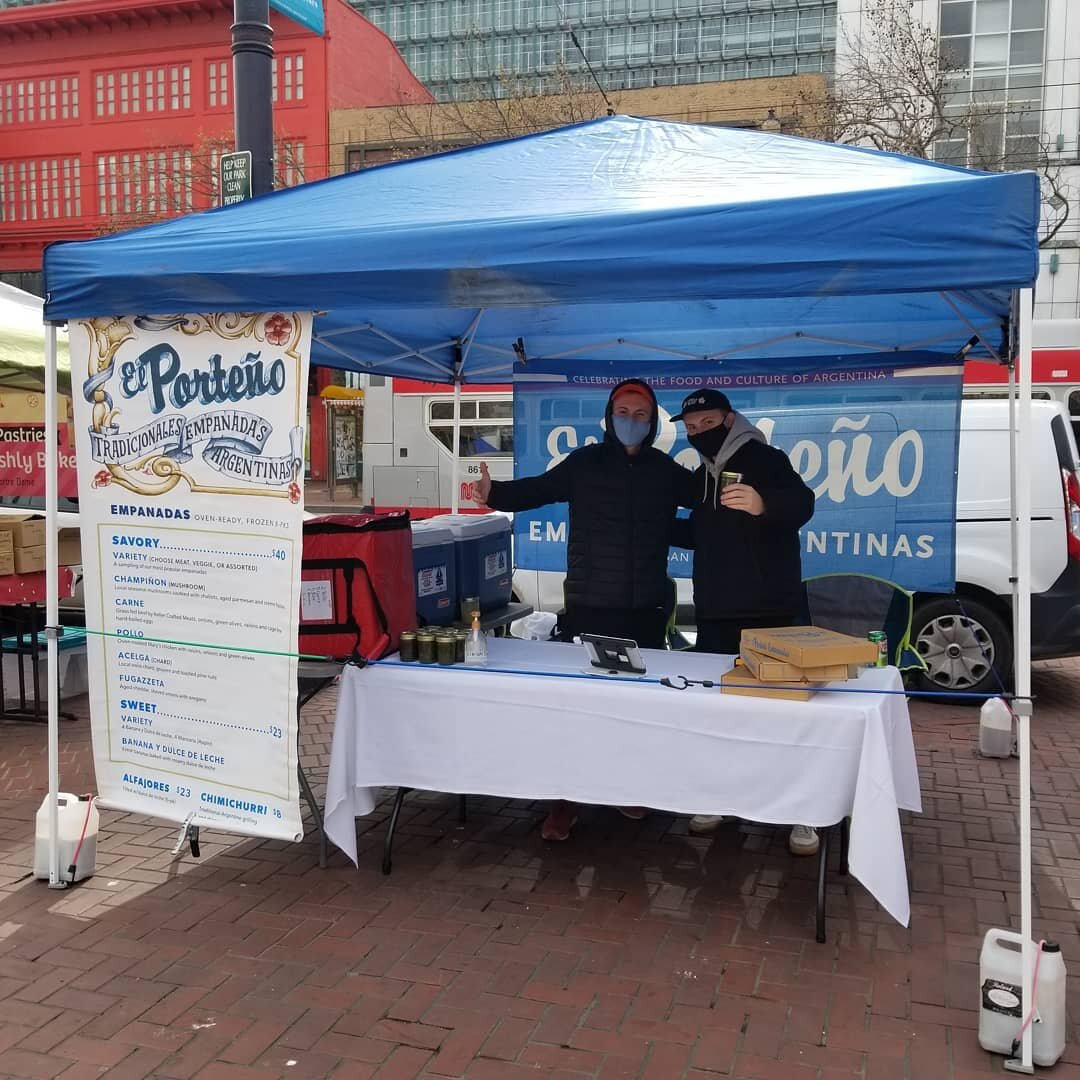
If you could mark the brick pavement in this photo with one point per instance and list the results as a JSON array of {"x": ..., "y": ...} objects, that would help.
[{"x": 634, "y": 951}]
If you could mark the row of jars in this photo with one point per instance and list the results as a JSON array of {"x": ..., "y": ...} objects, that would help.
[{"x": 433, "y": 645}]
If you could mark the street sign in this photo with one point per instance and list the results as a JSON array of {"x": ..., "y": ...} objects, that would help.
[
  {"x": 307, "y": 13},
  {"x": 235, "y": 177}
]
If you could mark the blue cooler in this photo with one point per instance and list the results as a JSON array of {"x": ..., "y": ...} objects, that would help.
[
  {"x": 435, "y": 570},
  {"x": 484, "y": 567}
]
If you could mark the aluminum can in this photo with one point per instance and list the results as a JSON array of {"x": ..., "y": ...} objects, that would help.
[{"x": 881, "y": 640}]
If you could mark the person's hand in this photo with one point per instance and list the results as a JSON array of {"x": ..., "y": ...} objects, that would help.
[
  {"x": 482, "y": 487},
  {"x": 742, "y": 497}
]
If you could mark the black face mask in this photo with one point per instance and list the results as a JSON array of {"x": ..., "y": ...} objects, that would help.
[{"x": 708, "y": 443}]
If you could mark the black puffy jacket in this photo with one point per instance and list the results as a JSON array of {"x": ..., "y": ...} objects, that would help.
[
  {"x": 622, "y": 508},
  {"x": 745, "y": 565}
]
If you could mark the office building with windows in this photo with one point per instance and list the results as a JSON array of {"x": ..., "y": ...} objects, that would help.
[
  {"x": 1017, "y": 64},
  {"x": 466, "y": 48}
]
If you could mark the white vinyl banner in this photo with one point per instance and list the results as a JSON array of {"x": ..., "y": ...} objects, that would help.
[{"x": 190, "y": 445}]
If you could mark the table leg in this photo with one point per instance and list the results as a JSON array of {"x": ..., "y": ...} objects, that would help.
[
  {"x": 463, "y": 808},
  {"x": 845, "y": 840},
  {"x": 388, "y": 844},
  {"x": 315, "y": 813},
  {"x": 823, "y": 865}
]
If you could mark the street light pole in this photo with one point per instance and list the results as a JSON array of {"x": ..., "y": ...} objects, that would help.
[{"x": 253, "y": 72}]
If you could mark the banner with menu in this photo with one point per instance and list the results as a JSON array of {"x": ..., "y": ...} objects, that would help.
[{"x": 190, "y": 440}]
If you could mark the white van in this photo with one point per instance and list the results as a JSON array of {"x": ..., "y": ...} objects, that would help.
[{"x": 965, "y": 637}]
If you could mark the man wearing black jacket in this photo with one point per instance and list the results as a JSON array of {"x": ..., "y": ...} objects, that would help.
[
  {"x": 623, "y": 494},
  {"x": 748, "y": 505}
]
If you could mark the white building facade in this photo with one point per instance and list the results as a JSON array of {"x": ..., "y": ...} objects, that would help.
[{"x": 1025, "y": 52}]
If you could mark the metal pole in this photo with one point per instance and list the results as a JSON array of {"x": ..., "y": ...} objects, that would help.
[
  {"x": 52, "y": 606},
  {"x": 253, "y": 72},
  {"x": 1022, "y": 663}
]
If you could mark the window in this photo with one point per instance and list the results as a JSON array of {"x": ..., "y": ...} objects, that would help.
[
  {"x": 135, "y": 92},
  {"x": 289, "y": 163},
  {"x": 288, "y": 78},
  {"x": 956, "y": 18},
  {"x": 50, "y": 99},
  {"x": 440, "y": 18},
  {"x": 1026, "y": 48},
  {"x": 487, "y": 427},
  {"x": 991, "y": 16},
  {"x": 686, "y": 40},
  {"x": 152, "y": 183},
  {"x": 1000, "y": 44},
  {"x": 40, "y": 189}
]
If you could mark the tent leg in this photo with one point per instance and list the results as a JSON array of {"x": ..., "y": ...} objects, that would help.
[
  {"x": 1022, "y": 648},
  {"x": 52, "y": 607},
  {"x": 455, "y": 471}
]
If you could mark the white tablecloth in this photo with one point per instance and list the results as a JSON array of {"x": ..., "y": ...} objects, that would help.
[{"x": 507, "y": 731}]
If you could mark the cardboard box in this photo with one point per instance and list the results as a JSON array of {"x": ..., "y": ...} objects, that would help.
[
  {"x": 69, "y": 547},
  {"x": 30, "y": 560},
  {"x": 766, "y": 669},
  {"x": 739, "y": 681},
  {"x": 7, "y": 554},
  {"x": 25, "y": 531},
  {"x": 809, "y": 646}
]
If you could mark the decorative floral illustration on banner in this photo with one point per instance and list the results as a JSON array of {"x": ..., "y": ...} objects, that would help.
[{"x": 183, "y": 399}]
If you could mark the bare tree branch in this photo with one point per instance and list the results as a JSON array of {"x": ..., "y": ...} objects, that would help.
[
  {"x": 146, "y": 187},
  {"x": 897, "y": 90}
]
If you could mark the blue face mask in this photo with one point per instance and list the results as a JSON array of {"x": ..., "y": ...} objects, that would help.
[{"x": 628, "y": 431}]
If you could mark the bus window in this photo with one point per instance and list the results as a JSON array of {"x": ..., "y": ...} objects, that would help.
[{"x": 489, "y": 435}]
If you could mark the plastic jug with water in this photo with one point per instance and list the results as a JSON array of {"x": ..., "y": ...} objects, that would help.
[
  {"x": 1001, "y": 1010},
  {"x": 996, "y": 738},
  {"x": 77, "y": 818}
]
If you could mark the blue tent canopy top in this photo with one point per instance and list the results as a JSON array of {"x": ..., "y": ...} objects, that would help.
[{"x": 620, "y": 238}]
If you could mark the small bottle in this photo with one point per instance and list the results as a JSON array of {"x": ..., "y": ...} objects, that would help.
[{"x": 476, "y": 645}]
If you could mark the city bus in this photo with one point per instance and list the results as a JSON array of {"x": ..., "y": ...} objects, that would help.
[
  {"x": 1055, "y": 363},
  {"x": 408, "y": 436}
]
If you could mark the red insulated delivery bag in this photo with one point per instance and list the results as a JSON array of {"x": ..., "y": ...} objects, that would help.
[{"x": 356, "y": 585}]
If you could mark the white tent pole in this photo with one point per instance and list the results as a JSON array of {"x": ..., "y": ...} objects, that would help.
[
  {"x": 455, "y": 471},
  {"x": 1023, "y": 649},
  {"x": 1013, "y": 540},
  {"x": 52, "y": 589}
]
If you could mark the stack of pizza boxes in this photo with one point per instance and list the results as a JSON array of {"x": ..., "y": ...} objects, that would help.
[{"x": 792, "y": 662}]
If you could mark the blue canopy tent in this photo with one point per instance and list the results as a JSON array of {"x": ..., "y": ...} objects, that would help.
[{"x": 620, "y": 238}]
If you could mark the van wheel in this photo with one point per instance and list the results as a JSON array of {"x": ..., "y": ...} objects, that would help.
[{"x": 965, "y": 645}]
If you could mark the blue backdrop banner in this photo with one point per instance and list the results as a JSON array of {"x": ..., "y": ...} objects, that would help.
[{"x": 877, "y": 443}]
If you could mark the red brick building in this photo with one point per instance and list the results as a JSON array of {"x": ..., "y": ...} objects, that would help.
[{"x": 114, "y": 112}]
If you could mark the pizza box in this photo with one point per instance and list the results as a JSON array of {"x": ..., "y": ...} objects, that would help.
[
  {"x": 809, "y": 646},
  {"x": 739, "y": 681},
  {"x": 766, "y": 669}
]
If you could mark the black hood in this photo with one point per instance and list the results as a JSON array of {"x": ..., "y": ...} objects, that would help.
[{"x": 609, "y": 434}]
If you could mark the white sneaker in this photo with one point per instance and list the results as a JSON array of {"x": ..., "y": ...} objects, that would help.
[
  {"x": 803, "y": 840},
  {"x": 705, "y": 823}
]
